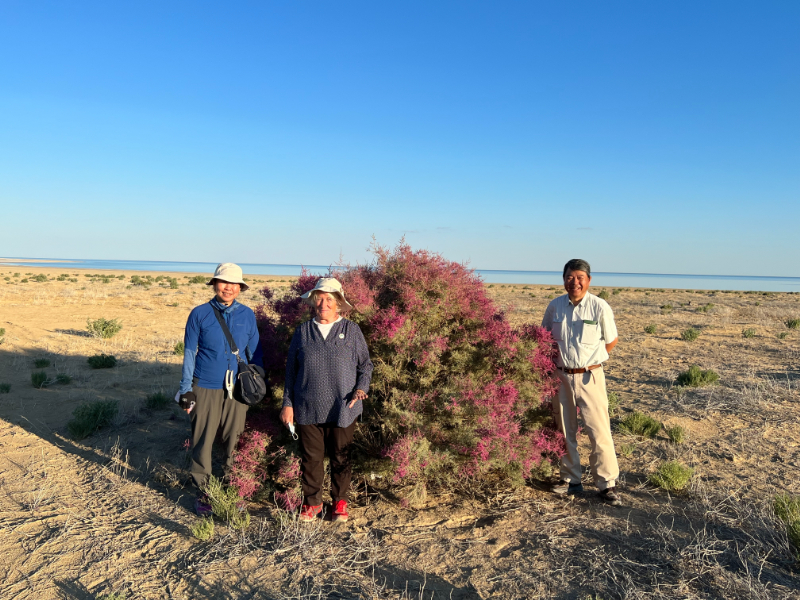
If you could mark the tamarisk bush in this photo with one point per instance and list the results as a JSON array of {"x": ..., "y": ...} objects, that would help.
[{"x": 457, "y": 393}]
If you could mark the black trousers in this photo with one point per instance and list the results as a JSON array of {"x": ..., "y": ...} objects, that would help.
[{"x": 315, "y": 442}]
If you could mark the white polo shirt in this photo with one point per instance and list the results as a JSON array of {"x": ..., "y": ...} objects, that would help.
[{"x": 581, "y": 331}]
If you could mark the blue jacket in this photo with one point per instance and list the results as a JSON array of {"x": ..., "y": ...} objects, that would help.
[{"x": 207, "y": 355}]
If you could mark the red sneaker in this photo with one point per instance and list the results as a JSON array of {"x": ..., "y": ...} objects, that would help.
[
  {"x": 309, "y": 513},
  {"x": 340, "y": 512}
]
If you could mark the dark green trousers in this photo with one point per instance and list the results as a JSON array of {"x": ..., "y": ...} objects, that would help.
[{"x": 212, "y": 412}]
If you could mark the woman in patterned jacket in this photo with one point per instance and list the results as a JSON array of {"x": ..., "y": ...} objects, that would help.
[{"x": 328, "y": 372}]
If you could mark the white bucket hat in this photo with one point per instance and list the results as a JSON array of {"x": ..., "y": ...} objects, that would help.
[
  {"x": 230, "y": 273},
  {"x": 329, "y": 285}
]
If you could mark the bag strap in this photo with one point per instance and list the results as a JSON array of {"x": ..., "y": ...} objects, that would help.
[{"x": 227, "y": 332}]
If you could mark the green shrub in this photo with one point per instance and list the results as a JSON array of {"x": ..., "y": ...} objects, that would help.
[
  {"x": 705, "y": 308},
  {"x": 2, "y": 331},
  {"x": 203, "y": 279},
  {"x": 672, "y": 476},
  {"x": 173, "y": 284},
  {"x": 178, "y": 349},
  {"x": 666, "y": 308},
  {"x": 111, "y": 596},
  {"x": 748, "y": 333},
  {"x": 615, "y": 292},
  {"x": 697, "y": 377},
  {"x": 137, "y": 280},
  {"x": 603, "y": 295},
  {"x": 626, "y": 450},
  {"x": 102, "y": 361},
  {"x": 787, "y": 509},
  {"x": 24, "y": 280},
  {"x": 650, "y": 328},
  {"x": 103, "y": 328},
  {"x": 88, "y": 418},
  {"x": 441, "y": 409},
  {"x": 637, "y": 423},
  {"x": 63, "y": 378},
  {"x": 793, "y": 323},
  {"x": 203, "y": 530},
  {"x": 227, "y": 504},
  {"x": 783, "y": 335},
  {"x": 5, "y": 388},
  {"x": 157, "y": 401},
  {"x": 613, "y": 403},
  {"x": 690, "y": 334},
  {"x": 41, "y": 278},
  {"x": 676, "y": 434},
  {"x": 39, "y": 379},
  {"x": 41, "y": 363}
]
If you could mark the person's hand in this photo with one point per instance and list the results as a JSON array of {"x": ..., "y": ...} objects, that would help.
[
  {"x": 287, "y": 415},
  {"x": 186, "y": 401},
  {"x": 358, "y": 395}
]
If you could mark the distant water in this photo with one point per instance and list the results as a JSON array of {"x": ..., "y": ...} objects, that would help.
[{"x": 634, "y": 280}]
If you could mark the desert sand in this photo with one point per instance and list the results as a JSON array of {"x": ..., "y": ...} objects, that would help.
[{"x": 110, "y": 516}]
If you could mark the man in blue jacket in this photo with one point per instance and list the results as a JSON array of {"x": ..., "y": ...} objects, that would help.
[{"x": 209, "y": 370}]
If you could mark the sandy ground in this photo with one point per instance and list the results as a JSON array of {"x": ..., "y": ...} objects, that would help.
[{"x": 111, "y": 514}]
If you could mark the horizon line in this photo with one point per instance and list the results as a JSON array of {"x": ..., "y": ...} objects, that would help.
[{"x": 189, "y": 262}]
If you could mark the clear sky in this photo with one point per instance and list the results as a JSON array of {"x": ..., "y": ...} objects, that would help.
[{"x": 643, "y": 136}]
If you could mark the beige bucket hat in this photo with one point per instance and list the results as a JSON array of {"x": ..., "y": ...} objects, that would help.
[
  {"x": 229, "y": 272},
  {"x": 326, "y": 284}
]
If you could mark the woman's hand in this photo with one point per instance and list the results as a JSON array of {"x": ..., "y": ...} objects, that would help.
[
  {"x": 358, "y": 395},
  {"x": 287, "y": 415}
]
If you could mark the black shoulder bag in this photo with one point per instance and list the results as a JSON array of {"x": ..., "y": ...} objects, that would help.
[{"x": 251, "y": 386}]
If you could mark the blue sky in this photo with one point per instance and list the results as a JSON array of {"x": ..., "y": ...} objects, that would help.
[{"x": 644, "y": 137}]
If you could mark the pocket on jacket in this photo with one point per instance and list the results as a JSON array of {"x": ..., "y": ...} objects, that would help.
[
  {"x": 559, "y": 324},
  {"x": 590, "y": 334}
]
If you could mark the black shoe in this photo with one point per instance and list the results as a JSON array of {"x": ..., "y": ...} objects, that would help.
[
  {"x": 564, "y": 488},
  {"x": 609, "y": 496}
]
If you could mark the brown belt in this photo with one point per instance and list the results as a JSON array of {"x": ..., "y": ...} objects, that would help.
[{"x": 577, "y": 371}]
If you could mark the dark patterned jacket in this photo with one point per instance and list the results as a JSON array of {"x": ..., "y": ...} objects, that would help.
[{"x": 323, "y": 374}]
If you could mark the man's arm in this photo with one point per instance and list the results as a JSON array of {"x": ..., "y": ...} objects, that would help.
[
  {"x": 608, "y": 327},
  {"x": 547, "y": 319}
]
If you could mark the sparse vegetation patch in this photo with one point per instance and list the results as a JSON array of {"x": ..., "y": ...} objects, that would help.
[
  {"x": 793, "y": 323},
  {"x": 102, "y": 361},
  {"x": 157, "y": 401},
  {"x": 651, "y": 329},
  {"x": 178, "y": 349},
  {"x": 227, "y": 504},
  {"x": 88, "y": 418},
  {"x": 748, "y": 333},
  {"x": 613, "y": 403},
  {"x": 672, "y": 476},
  {"x": 697, "y": 377},
  {"x": 203, "y": 530},
  {"x": 676, "y": 434},
  {"x": 787, "y": 509},
  {"x": 103, "y": 328},
  {"x": 690, "y": 334},
  {"x": 39, "y": 379},
  {"x": 637, "y": 423}
]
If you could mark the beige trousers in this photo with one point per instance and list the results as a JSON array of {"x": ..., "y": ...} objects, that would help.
[{"x": 587, "y": 391}]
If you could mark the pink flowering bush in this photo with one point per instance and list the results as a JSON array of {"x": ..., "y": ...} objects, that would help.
[{"x": 457, "y": 393}]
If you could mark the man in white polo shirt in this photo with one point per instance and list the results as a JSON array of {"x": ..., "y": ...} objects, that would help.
[{"x": 583, "y": 326}]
